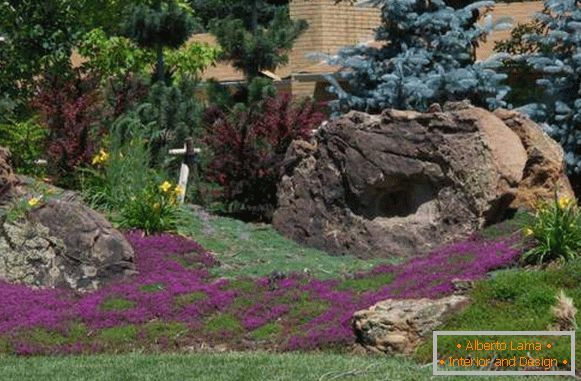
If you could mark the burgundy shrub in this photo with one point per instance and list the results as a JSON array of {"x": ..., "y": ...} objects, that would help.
[
  {"x": 69, "y": 107},
  {"x": 125, "y": 92},
  {"x": 249, "y": 145}
]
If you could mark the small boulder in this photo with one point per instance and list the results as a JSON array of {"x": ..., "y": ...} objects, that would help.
[{"x": 399, "y": 326}]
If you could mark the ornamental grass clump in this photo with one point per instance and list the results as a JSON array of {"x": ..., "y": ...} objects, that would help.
[
  {"x": 119, "y": 170},
  {"x": 556, "y": 232},
  {"x": 153, "y": 210}
]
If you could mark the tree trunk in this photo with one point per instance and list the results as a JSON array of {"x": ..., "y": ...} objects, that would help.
[
  {"x": 254, "y": 17},
  {"x": 160, "y": 66}
]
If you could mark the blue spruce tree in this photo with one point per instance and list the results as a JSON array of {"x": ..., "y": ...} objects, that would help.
[
  {"x": 559, "y": 62},
  {"x": 425, "y": 54}
]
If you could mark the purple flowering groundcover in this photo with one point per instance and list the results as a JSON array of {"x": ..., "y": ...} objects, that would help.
[{"x": 175, "y": 303}]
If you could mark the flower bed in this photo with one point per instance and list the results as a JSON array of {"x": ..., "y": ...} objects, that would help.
[{"x": 175, "y": 302}]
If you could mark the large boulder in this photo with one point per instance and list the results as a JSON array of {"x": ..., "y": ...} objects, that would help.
[
  {"x": 401, "y": 183},
  {"x": 544, "y": 173},
  {"x": 399, "y": 326},
  {"x": 63, "y": 244}
]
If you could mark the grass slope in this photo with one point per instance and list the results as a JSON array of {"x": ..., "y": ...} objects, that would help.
[
  {"x": 223, "y": 367},
  {"x": 516, "y": 300},
  {"x": 246, "y": 249}
]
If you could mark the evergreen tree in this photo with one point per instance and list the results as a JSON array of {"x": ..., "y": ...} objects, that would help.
[
  {"x": 559, "y": 63},
  {"x": 207, "y": 11},
  {"x": 258, "y": 36},
  {"x": 164, "y": 23},
  {"x": 425, "y": 55}
]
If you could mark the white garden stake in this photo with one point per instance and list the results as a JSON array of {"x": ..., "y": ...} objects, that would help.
[{"x": 189, "y": 154}]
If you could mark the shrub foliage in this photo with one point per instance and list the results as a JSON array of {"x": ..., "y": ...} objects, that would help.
[
  {"x": 559, "y": 62},
  {"x": 248, "y": 147},
  {"x": 69, "y": 108}
]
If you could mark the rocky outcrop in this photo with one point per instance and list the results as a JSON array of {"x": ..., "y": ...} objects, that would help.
[
  {"x": 55, "y": 241},
  {"x": 544, "y": 173},
  {"x": 400, "y": 183},
  {"x": 63, "y": 244},
  {"x": 7, "y": 178},
  {"x": 399, "y": 326}
]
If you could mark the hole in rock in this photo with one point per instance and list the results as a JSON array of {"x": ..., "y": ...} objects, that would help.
[{"x": 394, "y": 197}]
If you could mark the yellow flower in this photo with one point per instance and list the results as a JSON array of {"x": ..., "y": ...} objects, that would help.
[
  {"x": 165, "y": 187},
  {"x": 564, "y": 202},
  {"x": 528, "y": 232},
  {"x": 33, "y": 201},
  {"x": 156, "y": 206},
  {"x": 179, "y": 190},
  {"x": 101, "y": 157}
]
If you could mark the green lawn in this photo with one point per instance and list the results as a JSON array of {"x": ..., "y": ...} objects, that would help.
[
  {"x": 247, "y": 249},
  {"x": 515, "y": 300},
  {"x": 223, "y": 367}
]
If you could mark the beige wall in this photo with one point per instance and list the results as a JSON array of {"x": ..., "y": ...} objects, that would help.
[
  {"x": 334, "y": 26},
  {"x": 331, "y": 26},
  {"x": 519, "y": 12}
]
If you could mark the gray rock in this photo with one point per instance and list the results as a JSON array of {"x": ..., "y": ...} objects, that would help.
[
  {"x": 399, "y": 326},
  {"x": 63, "y": 244}
]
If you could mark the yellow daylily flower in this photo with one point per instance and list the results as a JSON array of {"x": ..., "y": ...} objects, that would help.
[
  {"x": 528, "y": 232},
  {"x": 101, "y": 157},
  {"x": 33, "y": 201},
  {"x": 564, "y": 202},
  {"x": 179, "y": 190},
  {"x": 165, "y": 186}
]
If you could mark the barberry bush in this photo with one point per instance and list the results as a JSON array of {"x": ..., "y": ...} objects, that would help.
[
  {"x": 70, "y": 108},
  {"x": 248, "y": 145}
]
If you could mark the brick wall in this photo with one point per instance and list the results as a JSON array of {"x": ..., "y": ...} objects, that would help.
[
  {"x": 330, "y": 28},
  {"x": 519, "y": 12},
  {"x": 334, "y": 26}
]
